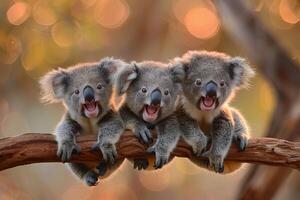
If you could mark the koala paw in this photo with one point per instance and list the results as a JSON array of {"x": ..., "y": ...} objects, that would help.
[
  {"x": 102, "y": 168},
  {"x": 161, "y": 158},
  {"x": 140, "y": 163},
  {"x": 91, "y": 178},
  {"x": 199, "y": 147},
  {"x": 65, "y": 150},
  {"x": 241, "y": 141},
  {"x": 143, "y": 133},
  {"x": 215, "y": 161},
  {"x": 108, "y": 150}
]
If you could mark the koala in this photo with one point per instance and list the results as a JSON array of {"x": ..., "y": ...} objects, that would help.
[
  {"x": 151, "y": 96},
  {"x": 86, "y": 91},
  {"x": 210, "y": 80}
]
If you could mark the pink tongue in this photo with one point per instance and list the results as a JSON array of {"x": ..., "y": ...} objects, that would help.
[
  {"x": 151, "y": 109},
  {"x": 208, "y": 101},
  {"x": 90, "y": 106}
]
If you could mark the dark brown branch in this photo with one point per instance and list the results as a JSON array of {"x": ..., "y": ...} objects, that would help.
[{"x": 36, "y": 148}]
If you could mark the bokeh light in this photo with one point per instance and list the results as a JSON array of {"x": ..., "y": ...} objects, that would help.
[
  {"x": 150, "y": 180},
  {"x": 43, "y": 14},
  {"x": 111, "y": 13},
  {"x": 64, "y": 34},
  {"x": 286, "y": 12},
  {"x": 202, "y": 22},
  {"x": 34, "y": 55},
  {"x": 18, "y": 13}
]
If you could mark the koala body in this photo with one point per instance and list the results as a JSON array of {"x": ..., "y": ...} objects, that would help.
[
  {"x": 86, "y": 90},
  {"x": 210, "y": 81},
  {"x": 151, "y": 95}
]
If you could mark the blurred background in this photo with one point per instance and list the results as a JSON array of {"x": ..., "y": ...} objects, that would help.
[{"x": 39, "y": 35}]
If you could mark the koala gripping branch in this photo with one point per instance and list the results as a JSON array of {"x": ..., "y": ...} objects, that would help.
[{"x": 36, "y": 148}]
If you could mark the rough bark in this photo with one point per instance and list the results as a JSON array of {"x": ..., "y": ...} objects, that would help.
[{"x": 36, "y": 148}]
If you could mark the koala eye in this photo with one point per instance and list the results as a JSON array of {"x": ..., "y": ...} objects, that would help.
[
  {"x": 222, "y": 83},
  {"x": 166, "y": 92},
  {"x": 99, "y": 86},
  {"x": 198, "y": 82},
  {"x": 144, "y": 90},
  {"x": 76, "y": 91}
]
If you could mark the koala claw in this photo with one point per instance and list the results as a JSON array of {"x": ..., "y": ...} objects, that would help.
[
  {"x": 144, "y": 134},
  {"x": 108, "y": 150},
  {"x": 199, "y": 148},
  {"x": 160, "y": 158},
  {"x": 140, "y": 163},
  {"x": 102, "y": 168},
  {"x": 215, "y": 161},
  {"x": 241, "y": 141},
  {"x": 91, "y": 178},
  {"x": 65, "y": 150}
]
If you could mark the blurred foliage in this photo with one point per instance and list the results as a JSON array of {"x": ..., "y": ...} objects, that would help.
[{"x": 37, "y": 35}]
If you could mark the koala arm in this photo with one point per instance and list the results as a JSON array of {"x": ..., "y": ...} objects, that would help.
[
  {"x": 110, "y": 130},
  {"x": 65, "y": 133},
  {"x": 136, "y": 125},
  {"x": 222, "y": 134},
  {"x": 241, "y": 130},
  {"x": 192, "y": 133},
  {"x": 168, "y": 133}
]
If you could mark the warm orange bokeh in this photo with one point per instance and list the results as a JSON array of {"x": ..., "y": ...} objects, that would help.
[{"x": 202, "y": 23}]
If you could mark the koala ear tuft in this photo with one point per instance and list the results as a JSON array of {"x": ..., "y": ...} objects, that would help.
[
  {"x": 109, "y": 67},
  {"x": 240, "y": 72},
  {"x": 54, "y": 85},
  {"x": 125, "y": 78},
  {"x": 177, "y": 72}
]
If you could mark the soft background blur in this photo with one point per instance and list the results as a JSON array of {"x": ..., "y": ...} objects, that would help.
[{"x": 36, "y": 36}]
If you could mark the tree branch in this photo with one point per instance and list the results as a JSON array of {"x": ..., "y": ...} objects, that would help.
[{"x": 36, "y": 148}]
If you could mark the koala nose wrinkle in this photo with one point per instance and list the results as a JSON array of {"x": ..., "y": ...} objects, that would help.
[
  {"x": 211, "y": 89},
  {"x": 88, "y": 94},
  {"x": 156, "y": 97}
]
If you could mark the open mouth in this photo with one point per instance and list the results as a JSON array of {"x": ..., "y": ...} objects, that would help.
[
  {"x": 150, "y": 113},
  {"x": 208, "y": 103},
  {"x": 91, "y": 109}
]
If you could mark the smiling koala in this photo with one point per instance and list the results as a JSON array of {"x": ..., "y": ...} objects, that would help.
[
  {"x": 210, "y": 81},
  {"x": 151, "y": 97},
  {"x": 86, "y": 90}
]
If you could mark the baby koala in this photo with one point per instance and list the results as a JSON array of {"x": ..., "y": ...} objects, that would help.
[
  {"x": 152, "y": 93},
  {"x": 210, "y": 81},
  {"x": 85, "y": 90}
]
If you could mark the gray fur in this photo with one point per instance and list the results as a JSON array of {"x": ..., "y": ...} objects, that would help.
[
  {"x": 149, "y": 76},
  {"x": 224, "y": 123},
  {"x": 66, "y": 86}
]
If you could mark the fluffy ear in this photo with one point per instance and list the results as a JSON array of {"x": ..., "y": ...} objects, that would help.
[
  {"x": 54, "y": 85},
  {"x": 110, "y": 67},
  {"x": 125, "y": 78},
  {"x": 240, "y": 72},
  {"x": 177, "y": 71}
]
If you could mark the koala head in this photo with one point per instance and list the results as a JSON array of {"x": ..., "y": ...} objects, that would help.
[
  {"x": 210, "y": 78},
  {"x": 151, "y": 90},
  {"x": 85, "y": 89}
]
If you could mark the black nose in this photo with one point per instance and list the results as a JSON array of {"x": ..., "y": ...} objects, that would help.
[
  {"x": 156, "y": 97},
  {"x": 88, "y": 94},
  {"x": 211, "y": 89}
]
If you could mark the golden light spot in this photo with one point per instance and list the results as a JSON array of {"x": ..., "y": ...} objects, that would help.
[
  {"x": 111, "y": 13},
  {"x": 88, "y": 3},
  {"x": 150, "y": 180},
  {"x": 11, "y": 48},
  {"x": 286, "y": 12},
  {"x": 18, "y": 13},
  {"x": 43, "y": 14},
  {"x": 181, "y": 7},
  {"x": 202, "y": 22},
  {"x": 34, "y": 55},
  {"x": 63, "y": 34}
]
